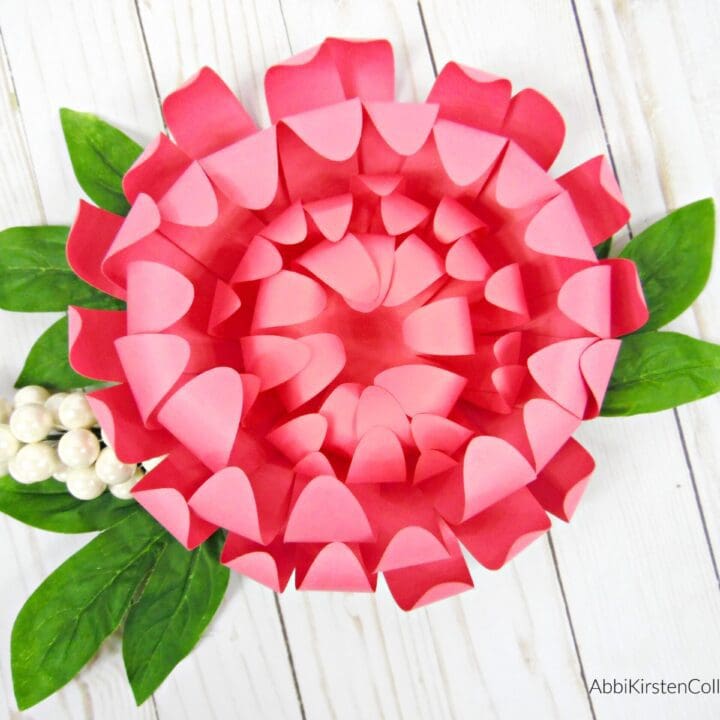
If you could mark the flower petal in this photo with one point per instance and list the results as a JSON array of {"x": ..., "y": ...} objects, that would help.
[
  {"x": 300, "y": 436},
  {"x": 548, "y": 428},
  {"x": 204, "y": 115},
  {"x": 270, "y": 565},
  {"x": 453, "y": 220},
  {"x": 403, "y": 126},
  {"x": 261, "y": 259},
  {"x": 465, "y": 262},
  {"x": 274, "y": 358},
  {"x": 440, "y": 328},
  {"x": 91, "y": 338},
  {"x": 378, "y": 458},
  {"x": 331, "y": 215},
  {"x": 335, "y": 566},
  {"x": 377, "y": 408},
  {"x": 272, "y": 307},
  {"x": 417, "y": 267},
  {"x": 596, "y": 365}
]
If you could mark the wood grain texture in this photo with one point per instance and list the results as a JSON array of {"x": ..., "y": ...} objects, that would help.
[{"x": 629, "y": 588}]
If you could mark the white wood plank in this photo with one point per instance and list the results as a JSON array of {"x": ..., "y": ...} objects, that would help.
[{"x": 634, "y": 559}]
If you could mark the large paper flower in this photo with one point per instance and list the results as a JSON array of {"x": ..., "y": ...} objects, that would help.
[{"x": 364, "y": 335}]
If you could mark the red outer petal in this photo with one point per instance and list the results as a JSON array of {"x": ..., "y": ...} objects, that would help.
[
  {"x": 270, "y": 565},
  {"x": 499, "y": 533},
  {"x": 597, "y": 197},
  {"x": 336, "y": 566},
  {"x": 334, "y": 71},
  {"x": 562, "y": 482},
  {"x": 91, "y": 235},
  {"x": 535, "y": 124},
  {"x": 204, "y": 115},
  {"x": 92, "y": 334}
]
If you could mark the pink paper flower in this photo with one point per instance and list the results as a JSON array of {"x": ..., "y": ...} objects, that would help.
[{"x": 364, "y": 335}]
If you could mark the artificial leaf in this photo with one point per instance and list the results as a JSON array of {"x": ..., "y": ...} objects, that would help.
[
  {"x": 47, "y": 362},
  {"x": 660, "y": 370},
  {"x": 35, "y": 275},
  {"x": 49, "y": 506},
  {"x": 602, "y": 250},
  {"x": 182, "y": 595},
  {"x": 67, "y": 618},
  {"x": 673, "y": 258},
  {"x": 100, "y": 154}
]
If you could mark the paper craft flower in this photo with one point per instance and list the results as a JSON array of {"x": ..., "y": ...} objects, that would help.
[{"x": 364, "y": 335}]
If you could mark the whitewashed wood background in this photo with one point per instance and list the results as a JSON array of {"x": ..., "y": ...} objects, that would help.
[{"x": 630, "y": 588}]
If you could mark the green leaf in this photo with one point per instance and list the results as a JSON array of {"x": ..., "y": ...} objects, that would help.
[
  {"x": 67, "y": 618},
  {"x": 602, "y": 250},
  {"x": 673, "y": 258},
  {"x": 47, "y": 362},
  {"x": 660, "y": 370},
  {"x": 49, "y": 506},
  {"x": 100, "y": 155},
  {"x": 180, "y": 598},
  {"x": 35, "y": 275}
]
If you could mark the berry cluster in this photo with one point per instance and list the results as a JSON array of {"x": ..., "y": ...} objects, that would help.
[{"x": 45, "y": 436}]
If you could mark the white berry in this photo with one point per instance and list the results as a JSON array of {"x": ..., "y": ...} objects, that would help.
[
  {"x": 111, "y": 470},
  {"x": 123, "y": 491},
  {"x": 30, "y": 423},
  {"x": 53, "y": 405},
  {"x": 5, "y": 410},
  {"x": 152, "y": 463},
  {"x": 31, "y": 394},
  {"x": 78, "y": 448},
  {"x": 61, "y": 472},
  {"x": 74, "y": 412},
  {"x": 34, "y": 463},
  {"x": 104, "y": 437},
  {"x": 9, "y": 444},
  {"x": 84, "y": 484}
]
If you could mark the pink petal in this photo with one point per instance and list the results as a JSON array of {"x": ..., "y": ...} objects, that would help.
[
  {"x": 225, "y": 304},
  {"x": 190, "y": 200},
  {"x": 116, "y": 412},
  {"x": 504, "y": 289},
  {"x": 288, "y": 228},
  {"x": 332, "y": 132},
  {"x": 328, "y": 360},
  {"x": 403, "y": 126},
  {"x": 606, "y": 299},
  {"x": 465, "y": 262},
  {"x": 416, "y": 268},
  {"x": 556, "y": 230},
  {"x": 310, "y": 520},
  {"x": 432, "y": 463},
  {"x": 535, "y": 124},
  {"x": 506, "y": 348},
  {"x": 300, "y": 436},
  {"x": 499, "y": 533},
  {"x": 548, "y": 428},
  {"x": 467, "y": 154},
  {"x": 381, "y": 249},
  {"x": 378, "y": 458},
  {"x": 270, "y": 565},
  {"x": 345, "y": 266},
  {"x": 597, "y": 197},
  {"x": 314, "y": 464},
  {"x": 377, "y": 408},
  {"x": 440, "y": 328},
  {"x": 247, "y": 171},
  {"x": 261, "y": 259},
  {"x": 380, "y": 185},
  {"x": 273, "y": 358},
  {"x": 204, "y": 115},
  {"x": 562, "y": 482},
  {"x": 412, "y": 546},
  {"x": 422, "y": 388},
  {"x": 331, "y": 215},
  {"x": 158, "y": 296},
  {"x": 338, "y": 69},
  {"x": 204, "y": 415},
  {"x": 434, "y": 432},
  {"x": 163, "y": 492},
  {"x": 453, "y": 220},
  {"x": 159, "y": 165},
  {"x": 471, "y": 97},
  {"x": 91, "y": 235},
  {"x": 519, "y": 181},
  {"x": 400, "y": 214},
  {"x": 253, "y": 507},
  {"x": 556, "y": 369},
  {"x": 91, "y": 337},
  {"x": 419, "y": 585},
  {"x": 339, "y": 409},
  {"x": 153, "y": 364},
  {"x": 274, "y": 308},
  {"x": 596, "y": 365},
  {"x": 335, "y": 566}
]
